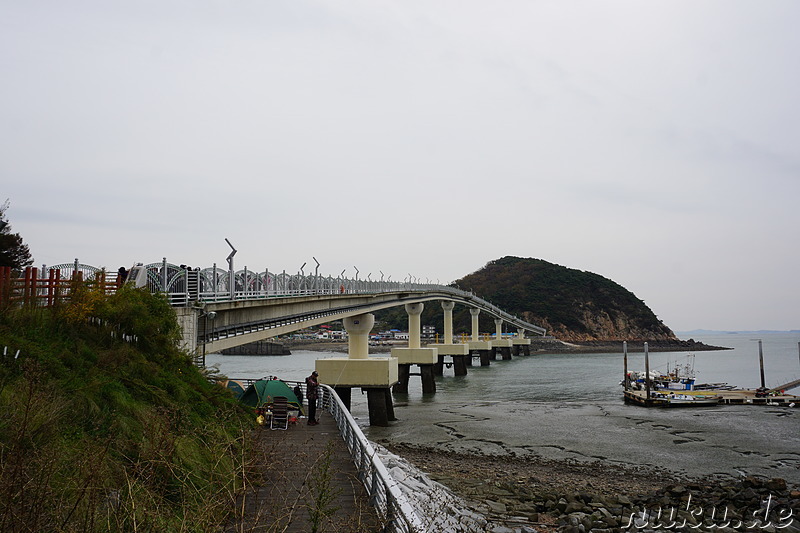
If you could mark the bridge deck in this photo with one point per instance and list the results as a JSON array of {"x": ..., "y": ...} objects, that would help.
[{"x": 290, "y": 481}]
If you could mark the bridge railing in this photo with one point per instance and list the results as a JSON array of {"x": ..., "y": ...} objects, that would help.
[
  {"x": 185, "y": 286},
  {"x": 384, "y": 492}
]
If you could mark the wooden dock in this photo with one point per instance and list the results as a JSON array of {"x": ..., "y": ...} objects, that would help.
[
  {"x": 724, "y": 397},
  {"x": 305, "y": 471}
]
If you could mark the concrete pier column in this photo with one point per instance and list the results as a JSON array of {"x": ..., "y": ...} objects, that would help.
[
  {"x": 460, "y": 365},
  {"x": 498, "y": 328},
  {"x": 438, "y": 366},
  {"x": 389, "y": 405},
  {"x": 358, "y": 328},
  {"x": 414, "y": 311},
  {"x": 521, "y": 344},
  {"x": 503, "y": 345},
  {"x": 345, "y": 394},
  {"x": 448, "y": 321},
  {"x": 425, "y": 358},
  {"x": 379, "y": 407},
  {"x": 475, "y": 327},
  {"x": 428, "y": 379},
  {"x": 403, "y": 373},
  {"x": 375, "y": 374},
  {"x": 476, "y": 345}
]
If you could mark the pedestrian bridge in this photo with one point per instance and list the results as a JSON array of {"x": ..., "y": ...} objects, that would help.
[{"x": 222, "y": 309}]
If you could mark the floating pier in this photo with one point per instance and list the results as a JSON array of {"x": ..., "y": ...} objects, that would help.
[{"x": 714, "y": 397}]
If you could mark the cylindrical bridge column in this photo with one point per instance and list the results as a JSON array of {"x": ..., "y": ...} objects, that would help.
[
  {"x": 358, "y": 328},
  {"x": 498, "y": 328},
  {"x": 475, "y": 327},
  {"x": 448, "y": 321},
  {"x": 414, "y": 311}
]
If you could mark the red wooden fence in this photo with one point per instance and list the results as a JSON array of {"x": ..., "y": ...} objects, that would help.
[{"x": 32, "y": 290}]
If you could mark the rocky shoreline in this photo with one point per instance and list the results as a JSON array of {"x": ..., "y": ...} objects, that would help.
[{"x": 535, "y": 494}]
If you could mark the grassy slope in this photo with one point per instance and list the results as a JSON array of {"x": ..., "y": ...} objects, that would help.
[{"x": 102, "y": 434}]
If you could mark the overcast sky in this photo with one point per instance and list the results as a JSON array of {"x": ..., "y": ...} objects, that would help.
[{"x": 656, "y": 143}]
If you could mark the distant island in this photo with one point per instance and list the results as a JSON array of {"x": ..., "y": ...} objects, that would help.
[
  {"x": 579, "y": 308},
  {"x": 732, "y": 332}
]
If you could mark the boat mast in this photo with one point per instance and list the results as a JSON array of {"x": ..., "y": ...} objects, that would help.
[
  {"x": 625, "y": 358},
  {"x": 646, "y": 373}
]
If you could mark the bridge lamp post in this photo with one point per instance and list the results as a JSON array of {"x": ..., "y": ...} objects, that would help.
[
  {"x": 302, "y": 277},
  {"x": 316, "y": 273},
  {"x": 211, "y": 315}
]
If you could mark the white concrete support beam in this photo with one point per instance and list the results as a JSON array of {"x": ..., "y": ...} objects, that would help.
[
  {"x": 475, "y": 323},
  {"x": 520, "y": 339},
  {"x": 415, "y": 354},
  {"x": 358, "y": 369},
  {"x": 499, "y": 340},
  {"x": 448, "y": 321},
  {"x": 358, "y": 328},
  {"x": 414, "y": 311},
  {"x": 476, "y": 343}
]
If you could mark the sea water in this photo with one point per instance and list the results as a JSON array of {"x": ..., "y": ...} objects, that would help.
[{"x": 569, "y": 407}]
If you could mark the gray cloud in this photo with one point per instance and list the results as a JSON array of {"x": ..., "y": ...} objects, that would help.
[{"x": 653, "y": 143}]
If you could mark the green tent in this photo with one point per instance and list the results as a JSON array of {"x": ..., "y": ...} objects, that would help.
[
  {"x": 235, "y": 386},
  {"x": 264, "y": 391}
]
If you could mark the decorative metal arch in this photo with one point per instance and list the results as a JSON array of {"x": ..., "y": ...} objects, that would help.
[{"x": 68, "y": 270}]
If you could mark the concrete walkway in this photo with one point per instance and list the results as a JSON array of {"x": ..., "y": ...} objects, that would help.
[{"x": 306, "y": 471}]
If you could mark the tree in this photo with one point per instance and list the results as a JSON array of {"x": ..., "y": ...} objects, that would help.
[{"x": 13, "y": 252}]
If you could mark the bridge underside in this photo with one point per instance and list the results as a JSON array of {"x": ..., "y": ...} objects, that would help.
[{"x": 245, "y": 321}]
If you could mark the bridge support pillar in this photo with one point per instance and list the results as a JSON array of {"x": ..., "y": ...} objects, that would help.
[
  {"x": 381, "y": 408},
  {"x": 460, "y": 364},
  {"x": 456, "y": 351},
  {"x": 428, "y": 379},
  {"x": 426, "y": 374},
  {"x": 501, "y": 346},
  {"x": 482, "y": 348},
  {"x": 345, "y": 394},
  {"x": 403, "y": 374},
  {"x": 521, "y": 344},
  {"x": 427, "y": 359},
  {"x": 438, "y": 366},
  {"x": 361, "y": 370}
]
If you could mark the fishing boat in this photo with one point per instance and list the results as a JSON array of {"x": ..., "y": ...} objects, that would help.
[
  {"x": 670, "y": 399},
  {"x": 673, "y": 388}
]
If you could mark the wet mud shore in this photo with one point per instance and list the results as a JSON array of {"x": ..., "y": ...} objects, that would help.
[{"x": 553, "y": 495}]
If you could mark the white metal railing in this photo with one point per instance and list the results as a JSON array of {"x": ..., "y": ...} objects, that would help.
[
  {"x": 187, "y": 286},
  {"x": 384, "y": 492}
]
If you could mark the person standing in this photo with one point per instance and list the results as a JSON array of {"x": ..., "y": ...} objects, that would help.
[{"x": 312, "y": 391}]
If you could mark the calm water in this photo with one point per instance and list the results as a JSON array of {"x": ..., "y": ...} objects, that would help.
[{"x": 570, "y": 407}]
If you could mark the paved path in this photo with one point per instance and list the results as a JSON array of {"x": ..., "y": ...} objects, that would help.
[{"x": 292, "y": 478}]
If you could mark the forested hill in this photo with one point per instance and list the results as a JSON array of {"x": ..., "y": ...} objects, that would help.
[{"x": 571, "y": 304}]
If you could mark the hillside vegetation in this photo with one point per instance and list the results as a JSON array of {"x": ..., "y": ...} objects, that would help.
[
  {"x": 571, "y": 304},
  {"x": 106, "y": 426}
]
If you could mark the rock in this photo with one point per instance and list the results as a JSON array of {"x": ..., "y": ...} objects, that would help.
[
  {"x": 776, "y": 484},
  {"x": 574, "y": 507},
  {"x": 624, "y": 501},
  {"x": 496, "y": 507}
]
